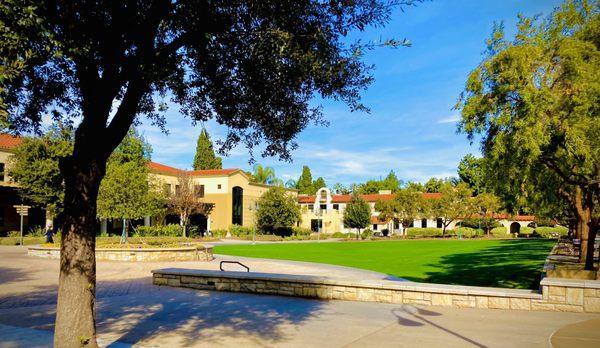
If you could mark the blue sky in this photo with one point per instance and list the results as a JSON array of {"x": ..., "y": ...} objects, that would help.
[{"x": 411, "y": 128}]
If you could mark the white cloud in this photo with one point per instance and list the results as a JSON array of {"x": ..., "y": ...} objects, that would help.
[{"x": 450, "y": 119}]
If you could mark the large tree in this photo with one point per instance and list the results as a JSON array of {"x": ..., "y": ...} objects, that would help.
[
  {"x": 125, "y": 192},
  {"x": 357, "y": 213},
  {"x": 471, "y": 170},
  {"x": 252, "y": 67},
  {"x": 277, "y": 212},
  {"x": 34, "y": 167},
  {"x": 406, "y": 206},
  {"x": 263, "y": 174},
  {"x": 535, "y": 101},
  {"x": 205, "y": 157},
  {"x": 455, "y": 203},
  {"x": 305, "y": 181}
]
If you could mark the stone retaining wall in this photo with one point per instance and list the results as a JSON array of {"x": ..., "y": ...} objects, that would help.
[
  {"x": 136, "y": 255},
  {"x": 558, "y": 294}
]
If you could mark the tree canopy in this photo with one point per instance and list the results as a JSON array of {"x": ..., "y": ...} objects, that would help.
[
  {"x": 357, "y": 213},
  {"x": 34, "y": 167},
  {"x": 305, "y": 181},
  {"x": 277, "y": 212},
  {"x": 535, "y": 102},
  {"x": 205, "y": 157},
  {"x": 455, "y": 203},
  {"x": 125, "y": 191}
]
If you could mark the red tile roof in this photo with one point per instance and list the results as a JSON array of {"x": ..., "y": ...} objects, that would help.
[
  {"x": 377, "y": 220},
  {"x": 164, "y": 169},
  {"x": 369, "y": 198},
  {"x": 9, "y": 142}
]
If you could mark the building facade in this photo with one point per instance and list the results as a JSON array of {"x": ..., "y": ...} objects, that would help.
[
  {"x": 233, "y": 196},
  {"x": 325, "y": 212}
]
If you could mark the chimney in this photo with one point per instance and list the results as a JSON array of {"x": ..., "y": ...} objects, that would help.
[{"x": 385, "y": 192}]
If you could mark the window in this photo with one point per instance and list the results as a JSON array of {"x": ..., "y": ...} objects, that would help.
[
  {"x": 1, "y": 171},
  {"x": 439, "y": 223},
  {"x": 311, "y": 206},
  {"x": 167, "y": 189},
  {"x": 218, "y": 186},
  {"x": 396, "y": 224},
  {"x": 315, "y": 224},
  {"x": 323, "y": 207},
  {"x": 423, "y": 223},
  {"x": 237, "y": 206},
  {"x": 177, "y": 190},
  {"x": 199, "y": 190},
  {"x": 336, "y": 207},
  {"x": 374, "y": 227}
]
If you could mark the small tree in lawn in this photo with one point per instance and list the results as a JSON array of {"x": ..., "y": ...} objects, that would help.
[
  {"x": 205, "y": 154},
  {"x": 454, "y": 203},
  {"x": 186, "y": 201},
  {"x": 277, "y": 211},
  {"x": 486, "y": 205},
  {"x": 125, "y": 192},
  {"x": 357, "y": 214},
  {"x": 406, "y": 206}
]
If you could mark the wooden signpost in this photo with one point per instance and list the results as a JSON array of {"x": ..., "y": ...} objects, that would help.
[{"x": 22, "y": 210}]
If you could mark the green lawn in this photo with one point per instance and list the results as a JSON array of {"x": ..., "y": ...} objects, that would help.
[{"x": 499, "y": 263}]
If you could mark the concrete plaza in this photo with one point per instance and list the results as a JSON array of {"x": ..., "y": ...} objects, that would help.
[{"x": 131, "y": 311}]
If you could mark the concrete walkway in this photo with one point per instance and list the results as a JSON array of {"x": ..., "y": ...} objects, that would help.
[{"x": 131, "y": 311}]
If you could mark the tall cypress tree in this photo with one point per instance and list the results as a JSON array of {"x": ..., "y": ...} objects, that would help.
[
  {"x": 205, "y": 154},
  {"x": 304, "y": 184}
]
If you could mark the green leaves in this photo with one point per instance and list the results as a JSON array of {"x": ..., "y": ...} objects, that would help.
[
  {"x": 277, "y": 211},
  {"x": 357, "y": 213},
  {"x": 205, "y": 155}
]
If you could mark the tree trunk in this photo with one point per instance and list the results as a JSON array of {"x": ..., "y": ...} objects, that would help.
[
  {"x": 75, "y": 311},
  {"x": 586, "y": 234}
]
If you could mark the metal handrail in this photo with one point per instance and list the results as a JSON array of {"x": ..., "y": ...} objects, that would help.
[{"x": 239, "y": 263}]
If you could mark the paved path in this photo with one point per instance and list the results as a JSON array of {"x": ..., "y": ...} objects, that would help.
[{"x": 131, "y": 311}]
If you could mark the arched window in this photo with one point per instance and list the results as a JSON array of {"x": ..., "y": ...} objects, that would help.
[{"x": 237, "y": 206}]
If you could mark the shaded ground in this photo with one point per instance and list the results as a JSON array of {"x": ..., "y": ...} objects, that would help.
[
  {"x": 131, "y": 311},
  {"x": 498, "y": 263}
]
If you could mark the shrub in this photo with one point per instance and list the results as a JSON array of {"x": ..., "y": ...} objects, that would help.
[
  {"x": 366, "y": 234},
  {"x": 424, "y": 232},
  {"x": 467, "y": 232},
  {"x": 26, "y": 240},
  {"x": 171, "y": 230},
  {"x": 241, "y": 231},
  {"x": 499, "y": 232},
  {"x": 343, "y": 235},
  {"x": 219, "y": 233},
  {"x": 547, "y": 232},
  {"x": 37, "y": 231},
  {"x": 300, "y": 231},
  {"x": 14, "y": 234},
  {"x": 477, "y": 223},
  {"x": 526, "y": 231}
]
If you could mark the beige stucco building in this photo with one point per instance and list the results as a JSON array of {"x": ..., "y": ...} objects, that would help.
[
  {"x": 233, "y": 196},
  {"x": 329, "y": 216}
]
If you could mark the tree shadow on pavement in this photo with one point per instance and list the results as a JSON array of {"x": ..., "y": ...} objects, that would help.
[
  {"x": 206, "y": 316},
  {"x": 134, "y": 310},
  {"x": 12, "y": 275},
  {"x": 409, "y": 315},
  {"x": 512, "y": 264}
]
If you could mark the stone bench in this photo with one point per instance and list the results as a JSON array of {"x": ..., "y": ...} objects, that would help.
[
  {"x": 135, "y": 255},
  {"x": 401, "y": 292}
]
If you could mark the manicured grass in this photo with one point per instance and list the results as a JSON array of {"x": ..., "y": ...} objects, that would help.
[{"x": 498, "y": 263}]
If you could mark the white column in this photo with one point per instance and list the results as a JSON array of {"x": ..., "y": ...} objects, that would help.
[
  {"x": 146, "y": 220},
  {"x": 208, "y": 224}
]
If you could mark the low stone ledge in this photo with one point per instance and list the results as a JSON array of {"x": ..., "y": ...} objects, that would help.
[
  {"x": 557, "y": 294},
  {"x": 135, "y": 255}
]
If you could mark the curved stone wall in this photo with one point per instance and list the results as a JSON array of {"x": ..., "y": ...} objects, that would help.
[{"x": 136, "y": 255}]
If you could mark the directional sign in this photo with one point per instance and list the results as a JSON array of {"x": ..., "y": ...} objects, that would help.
[{"x": 22, "y": 210}]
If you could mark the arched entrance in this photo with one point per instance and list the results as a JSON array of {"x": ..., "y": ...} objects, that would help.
[{"x": 515, "y": 228}]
